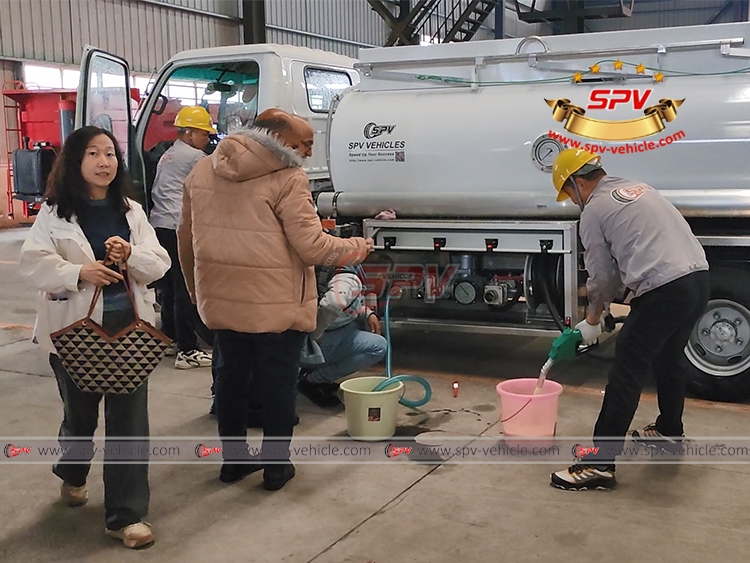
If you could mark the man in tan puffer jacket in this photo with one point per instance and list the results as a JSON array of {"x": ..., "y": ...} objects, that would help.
[{"x": 249, "y": 239}]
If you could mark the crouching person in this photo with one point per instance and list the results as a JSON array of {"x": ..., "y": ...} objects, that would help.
[{"x": 348, "y": 334}]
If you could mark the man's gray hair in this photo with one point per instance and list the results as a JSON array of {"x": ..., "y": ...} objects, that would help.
[{"x": 274, "y": 125}]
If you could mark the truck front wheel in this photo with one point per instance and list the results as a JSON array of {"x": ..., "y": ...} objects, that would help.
[{"x": 717, "y": 356}]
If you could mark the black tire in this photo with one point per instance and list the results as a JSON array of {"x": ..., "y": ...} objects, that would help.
[{"x": 724, "y": 375}]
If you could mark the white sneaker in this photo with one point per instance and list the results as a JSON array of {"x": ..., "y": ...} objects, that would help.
[
  {"x": 581, "y": 477},
  {"x": 192, "y": 359},
  {"x": 135, "y": 536},
  {"x": 650, "y": 437},
  {"x": 74, "y": 496}
]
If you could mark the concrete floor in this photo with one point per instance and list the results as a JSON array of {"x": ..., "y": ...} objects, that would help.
[{"x": 389, "y": 513}]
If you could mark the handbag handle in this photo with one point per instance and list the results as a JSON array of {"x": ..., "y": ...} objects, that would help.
[{"x": 123, "y": 267}]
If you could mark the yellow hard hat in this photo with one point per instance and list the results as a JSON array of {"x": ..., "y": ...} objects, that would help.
[
  {"x": 567, "y": 163},
  {"x": 195, "y": 117}
]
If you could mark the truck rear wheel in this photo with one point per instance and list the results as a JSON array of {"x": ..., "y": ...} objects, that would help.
[{"x": 717, "y": 356}]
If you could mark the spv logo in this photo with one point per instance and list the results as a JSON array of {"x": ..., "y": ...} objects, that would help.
[
  {"x": 201, "y": 450},
  {"x": 579, "y": 451},
  {"x": 392, "y": 450},
  {"x": 12, "y": 451},
  {"x": 373, "y": 130},
  {"x": 604, "y": 98}
]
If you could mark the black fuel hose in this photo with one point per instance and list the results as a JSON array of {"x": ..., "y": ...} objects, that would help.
[
  {"x": 547, "y": 297},
  {"x": 558, "y": 320}
]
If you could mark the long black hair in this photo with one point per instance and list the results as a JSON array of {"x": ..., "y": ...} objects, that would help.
[{"x": 65, "y": 186}]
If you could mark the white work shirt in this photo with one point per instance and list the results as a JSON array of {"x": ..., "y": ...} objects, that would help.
[
  {"x": 174, "y": 166},
  {"x": 633, "y": 237}
]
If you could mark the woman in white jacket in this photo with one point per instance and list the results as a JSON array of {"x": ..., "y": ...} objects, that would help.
[{"x": 86, "y": 218}]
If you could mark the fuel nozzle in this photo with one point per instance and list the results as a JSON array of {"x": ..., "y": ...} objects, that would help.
[{"x": 565, "y": 346}]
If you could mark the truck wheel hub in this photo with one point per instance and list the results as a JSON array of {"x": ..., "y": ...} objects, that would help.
[
  {"x": 723, "y": 333},
  {"x": 720, "y": 342}
]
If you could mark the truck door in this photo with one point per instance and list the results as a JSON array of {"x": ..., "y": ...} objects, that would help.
[{"x": 104, "y": 97}]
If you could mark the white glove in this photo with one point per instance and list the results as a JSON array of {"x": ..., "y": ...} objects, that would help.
[{"x": 590, "y": 333}]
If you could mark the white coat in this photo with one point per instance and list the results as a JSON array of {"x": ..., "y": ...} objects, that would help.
[{"x": 53, "y": 254}]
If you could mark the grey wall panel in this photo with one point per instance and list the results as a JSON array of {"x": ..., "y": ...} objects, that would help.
[
  {"x": 44, "y": 21},
  {"x": 341, "y": 26},
  {"x": 146, "y": 32},
  {"x": 223, "y": 7},
  {"x": 6, "y": 27},
  {"x": 295, "y": 38},
  {"x": 66, "y": 32}
]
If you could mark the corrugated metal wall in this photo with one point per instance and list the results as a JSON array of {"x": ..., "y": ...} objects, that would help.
[
  {"x": 225, "y": 7},
  {"x": 145, "y": 32},
  {"x": 341, "y": 26}
]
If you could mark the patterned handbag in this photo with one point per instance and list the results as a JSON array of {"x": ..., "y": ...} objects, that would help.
[{"x": 115, "y": 364}]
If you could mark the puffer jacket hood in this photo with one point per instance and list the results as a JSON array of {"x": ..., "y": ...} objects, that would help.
[
  {"x": 250, "y": 153},
  {"x": 250, "y": 236}
]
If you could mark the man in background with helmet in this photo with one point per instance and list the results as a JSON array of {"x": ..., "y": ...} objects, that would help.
[
  {"x": 179, "y": 317},
  {"x": 633, "y": 237}
]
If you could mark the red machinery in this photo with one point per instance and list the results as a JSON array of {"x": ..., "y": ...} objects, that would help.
[{"x": 42, "y": 118}]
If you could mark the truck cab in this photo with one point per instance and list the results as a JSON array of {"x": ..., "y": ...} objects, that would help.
[{"x": 233, "y": 83}]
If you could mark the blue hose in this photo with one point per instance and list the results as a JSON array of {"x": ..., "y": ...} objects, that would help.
[{"x": 389, "y": 370}]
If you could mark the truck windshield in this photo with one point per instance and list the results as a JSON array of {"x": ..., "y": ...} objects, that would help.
[{"x": 229, "y": 91}]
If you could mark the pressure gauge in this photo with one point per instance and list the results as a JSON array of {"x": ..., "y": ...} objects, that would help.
[
  {"x": 544, "y": 151},
  {"x": 465, "y": 292}
]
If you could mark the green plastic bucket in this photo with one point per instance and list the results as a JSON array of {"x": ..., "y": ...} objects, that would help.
[{"x": 370, "y": 416}]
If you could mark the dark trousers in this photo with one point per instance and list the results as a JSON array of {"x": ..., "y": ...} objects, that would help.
[
  {"x": 652, "y": 340},
  {"x": 272, "y": 361},
  {"x": 253, "y": 398},
  {"x": 126, "y": 489},
  {"x": 179, "y": 317}
]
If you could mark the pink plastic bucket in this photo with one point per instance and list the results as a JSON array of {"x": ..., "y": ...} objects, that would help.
[{"x": 525, "y": 414}]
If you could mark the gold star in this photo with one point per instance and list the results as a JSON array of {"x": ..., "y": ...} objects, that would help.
[
  {"x": 658, "y": 77},
  {"x": 618, "y": 64},
  {"x": 640, "y": 69},
  {"x": 577, "y": 77},
  {"x": 595, "y": 69}
]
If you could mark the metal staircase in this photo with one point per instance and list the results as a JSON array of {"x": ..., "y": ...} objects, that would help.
[
  {"x": 465, "y": 21},
  {"x": 442, "y": 21}
]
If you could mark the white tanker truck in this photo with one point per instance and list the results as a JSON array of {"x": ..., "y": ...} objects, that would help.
[{"x": 458, "y": 140}]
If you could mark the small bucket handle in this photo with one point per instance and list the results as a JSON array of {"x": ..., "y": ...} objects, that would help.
[
  {"x": 517, "y": 412},
  {"x": 340, "y": 393}
]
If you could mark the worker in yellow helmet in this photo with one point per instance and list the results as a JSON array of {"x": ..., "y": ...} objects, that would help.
[
  {"x": 633, "y": 237},
  {"x": 570, "y": 163},
  {"x": 179, "y": 317}
]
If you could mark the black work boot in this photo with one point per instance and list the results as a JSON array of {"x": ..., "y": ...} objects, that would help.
[
  {"x": 321, "y": 394},
  {"x": 276, "y": 476}
]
